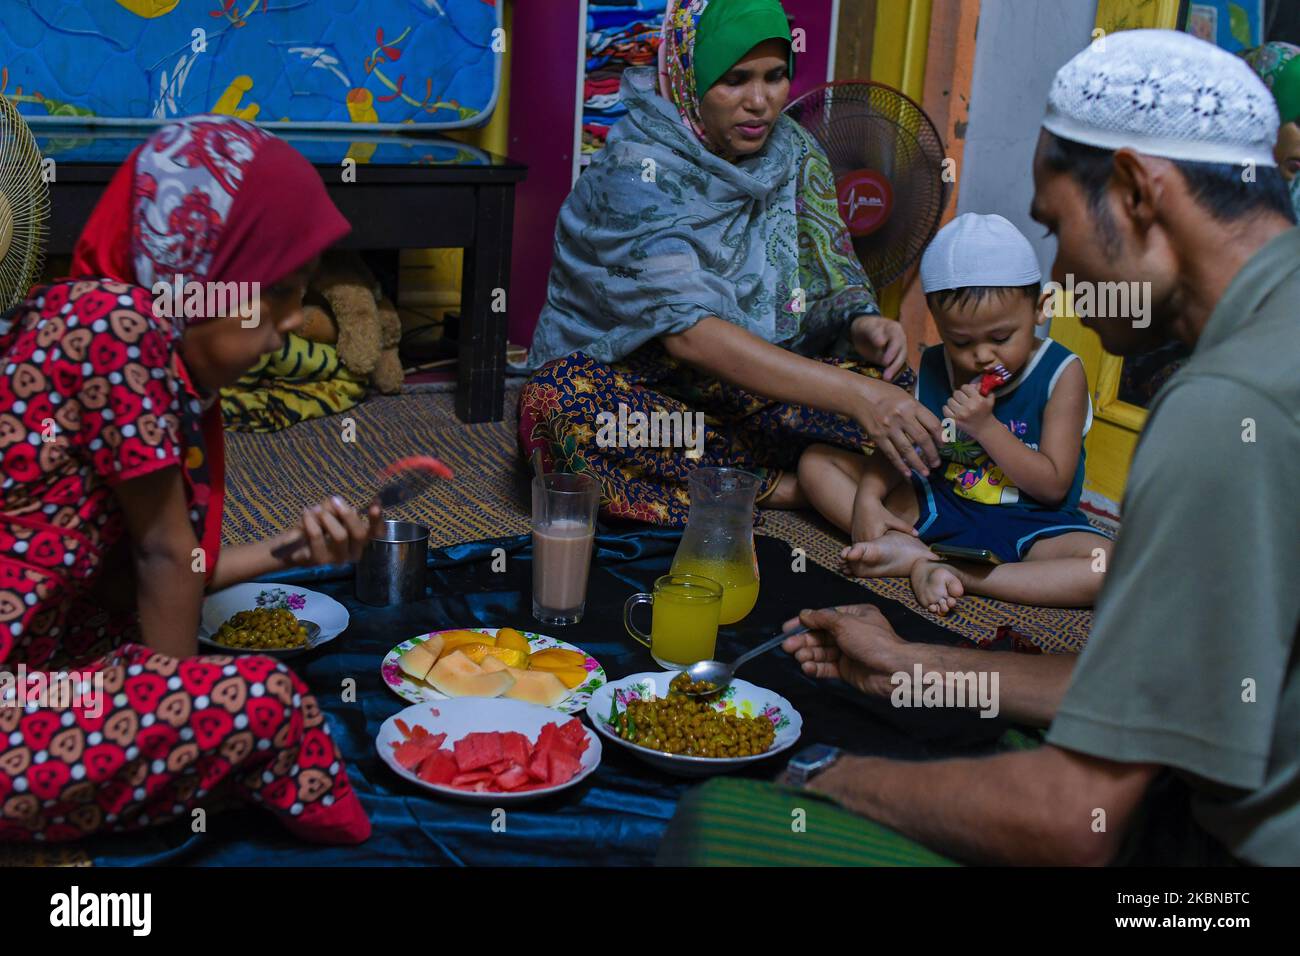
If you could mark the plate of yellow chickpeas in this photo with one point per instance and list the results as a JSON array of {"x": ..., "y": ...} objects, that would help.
[
  {"x": 693, "y": 736},
  {"x": 279, "y": 620}
]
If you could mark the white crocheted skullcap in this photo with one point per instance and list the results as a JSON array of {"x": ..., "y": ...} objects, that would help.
[
  {"x": 1164, "y": 93},
  {"x": 975, "y": 250}
]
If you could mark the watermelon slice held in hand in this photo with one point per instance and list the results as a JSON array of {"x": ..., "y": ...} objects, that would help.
[{"x": 993, "y": 379}]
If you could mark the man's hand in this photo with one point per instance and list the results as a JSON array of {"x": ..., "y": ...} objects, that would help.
[
  {"x": 853, "y": 643},
  {"x": 880, "y": 341},
  {"x": 969, "y": 409}
]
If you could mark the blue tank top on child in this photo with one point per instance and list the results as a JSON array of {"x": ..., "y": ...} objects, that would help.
[{"x": 968, "y": 471}]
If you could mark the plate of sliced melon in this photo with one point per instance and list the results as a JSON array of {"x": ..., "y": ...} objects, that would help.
[{"x": 493, "y": 662}]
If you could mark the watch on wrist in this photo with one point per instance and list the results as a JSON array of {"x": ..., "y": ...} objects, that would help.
[{"x": 809, "y": 762}]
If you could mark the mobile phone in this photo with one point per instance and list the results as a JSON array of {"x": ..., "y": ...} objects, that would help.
[{"x": 978, "y": 555}]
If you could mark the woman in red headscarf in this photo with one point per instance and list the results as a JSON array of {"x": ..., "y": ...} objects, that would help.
[{"x": 110, "y": 502}]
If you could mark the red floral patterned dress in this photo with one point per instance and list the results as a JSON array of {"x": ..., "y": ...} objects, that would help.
[
  {"x": 92, "y": 394},
  {"x": 88, "y": 398}
]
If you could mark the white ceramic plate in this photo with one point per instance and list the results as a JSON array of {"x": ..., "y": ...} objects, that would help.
[
  {"x": 456, "y": 718},
  {"x": 325, "y": 612},
  {"x": 741, "y": 697},
  {"x": 418, "y": 691}
]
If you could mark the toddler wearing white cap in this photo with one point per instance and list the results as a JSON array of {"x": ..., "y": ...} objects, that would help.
[{"x": 1015, "y": 409}]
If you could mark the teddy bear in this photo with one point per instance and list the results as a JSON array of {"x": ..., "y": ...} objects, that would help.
[{"x": 345, "y": 307}]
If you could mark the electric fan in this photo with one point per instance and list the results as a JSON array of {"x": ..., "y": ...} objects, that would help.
[
  {"x": 24, "y": 207},
  {"x": 887, "y": 160}
]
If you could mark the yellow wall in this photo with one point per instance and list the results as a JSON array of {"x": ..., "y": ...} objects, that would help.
[
  {"x": 898, "y": 53},
  {"x": 899, "y": 45}
]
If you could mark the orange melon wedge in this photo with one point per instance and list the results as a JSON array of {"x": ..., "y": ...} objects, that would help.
[
  {"x": 553, "y": 658},
  {"x": 480, "y": 652},
  {"x": 509, "y": 638},
  {"x": 570, "y": 677},
  {"x": 533, "y": 687},
  {"x": 453, "y": 640},
  {"x": 417, "y": 661},
  {"x": 458, "y": 676},
  {"x": 537, "y": 687}
]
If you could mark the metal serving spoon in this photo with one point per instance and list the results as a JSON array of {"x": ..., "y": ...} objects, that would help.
[{"x": 719, "y": 675}]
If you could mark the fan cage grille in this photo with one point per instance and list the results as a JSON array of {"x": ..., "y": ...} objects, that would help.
[
  {"x": 26, "y": 198},
  {"x": 865, "y": 125}
]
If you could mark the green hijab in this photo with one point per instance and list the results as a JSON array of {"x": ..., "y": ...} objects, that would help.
[
  {"x": 703, "y": 39},
  {"x": 1278, "y": 66}
]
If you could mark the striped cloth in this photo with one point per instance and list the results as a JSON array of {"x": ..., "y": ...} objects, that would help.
[
  {"x": 302, "y": 381},
  {"x": 735, "y": 822}
]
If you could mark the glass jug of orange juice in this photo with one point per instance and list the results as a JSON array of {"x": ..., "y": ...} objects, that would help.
[{"x": 719, "y": 539}]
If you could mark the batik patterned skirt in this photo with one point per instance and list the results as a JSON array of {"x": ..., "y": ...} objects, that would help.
[{"x": 570, "y": 409}]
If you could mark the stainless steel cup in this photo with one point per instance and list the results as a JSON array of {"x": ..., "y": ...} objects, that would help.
[{"x": 392, "y": 566}]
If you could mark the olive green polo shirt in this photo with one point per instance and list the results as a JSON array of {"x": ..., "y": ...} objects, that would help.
[{"x": 1193, "y": 661}]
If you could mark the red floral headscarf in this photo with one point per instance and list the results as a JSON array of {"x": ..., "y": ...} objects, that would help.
[{"x": 209, "y": 199}]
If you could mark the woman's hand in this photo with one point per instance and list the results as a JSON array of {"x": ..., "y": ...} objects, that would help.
[
  {"x": 331, "y": 532},
  {"x": 854, "y": 643},
  {"x": 880, "y": 341},
  {"x": 905, "y": 431},
  {"x": 891, "y": 417}
]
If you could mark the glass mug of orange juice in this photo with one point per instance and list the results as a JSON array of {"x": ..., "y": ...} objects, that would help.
[{"x": 684, "y": 619}]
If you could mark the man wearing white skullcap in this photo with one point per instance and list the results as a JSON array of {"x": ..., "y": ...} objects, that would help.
[{"x": 1180, "y": 718}]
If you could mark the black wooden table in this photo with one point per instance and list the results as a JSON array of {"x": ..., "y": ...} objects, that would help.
[{"x": 401, "y": 191}]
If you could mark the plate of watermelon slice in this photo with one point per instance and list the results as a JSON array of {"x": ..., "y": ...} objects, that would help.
[{"x": 488, "y": 749}]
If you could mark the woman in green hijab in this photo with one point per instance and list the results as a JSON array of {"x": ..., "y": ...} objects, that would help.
[
  {"x": 1278, "y": 66},
  {"x": 702, "y": 273}
]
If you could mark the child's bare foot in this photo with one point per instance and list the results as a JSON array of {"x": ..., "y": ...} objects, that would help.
[
  {"x": 936, "y": 585},
  {"x": 890, "y": 555}
]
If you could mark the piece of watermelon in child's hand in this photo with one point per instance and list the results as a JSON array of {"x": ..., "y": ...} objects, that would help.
[{"x": 994, "y": 379}]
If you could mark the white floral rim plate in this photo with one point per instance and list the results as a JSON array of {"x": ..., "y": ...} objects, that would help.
[
  {"x": 418, "y": 692},
  {"x": 320, "y": 609},
  {"x": 456, "y": 718},
  {"x": 741, "y": 698}
]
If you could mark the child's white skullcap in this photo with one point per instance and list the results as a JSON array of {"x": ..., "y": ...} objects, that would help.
[
  {"x": 975, "y": 250},
  {"x": 1164, "y": 93}
]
